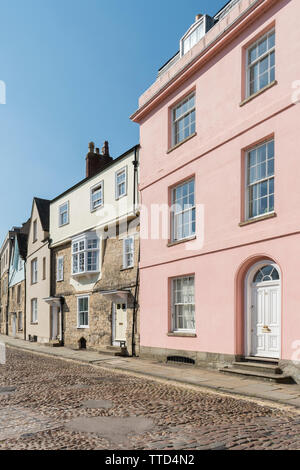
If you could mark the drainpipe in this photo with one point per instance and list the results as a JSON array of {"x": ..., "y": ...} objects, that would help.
[
  {"x": 135, "y": 306},
  {"x": 7, "y": 304},
  {"x": 135, "y": 189},
  {"x": 62, "y": 302},
  {"x": 135, "y": 178}
]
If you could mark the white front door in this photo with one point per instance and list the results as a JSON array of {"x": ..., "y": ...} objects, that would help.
[
  {"x": 54, "y": 322},
  {"x": 14, "y": 324},
  {"x": 266, "y": 315},
  {"x": 120, "y": 322}
]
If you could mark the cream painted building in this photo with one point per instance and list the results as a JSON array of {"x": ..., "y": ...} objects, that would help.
[
  {"x": 94, "y": 232},
  {"x": 39, "y": 325}
]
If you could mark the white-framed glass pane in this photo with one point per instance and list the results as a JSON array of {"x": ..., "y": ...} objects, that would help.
[
  {"x": 83, "y": 310},
  {"x": 183, "y": 210},
  {"x": 261, "y": 63},
  {"x": 92, "y": 260},
  {"x": 183, "y": 304},
  {"x": 64, "y": 214},
  {"x": 184, "y": 119},
  {"x": 121, "y": 183},
  {"x": 75, "y": 264},
  {"x": 261, "y": 179}
]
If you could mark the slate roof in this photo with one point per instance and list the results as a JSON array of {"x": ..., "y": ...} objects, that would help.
[{"x": 43, "y": 207}]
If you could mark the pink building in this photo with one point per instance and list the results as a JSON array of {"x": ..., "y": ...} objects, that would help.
[{"x": 220, "y": 139}]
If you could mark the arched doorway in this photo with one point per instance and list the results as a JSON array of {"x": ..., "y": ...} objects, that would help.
[
  {"x": 263, "y": 310},
  {"x": 82, "y": 343}
]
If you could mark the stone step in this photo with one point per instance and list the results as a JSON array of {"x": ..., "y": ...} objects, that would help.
[
  {"x": 268, "y": 368},
  {"x": 269, "y": 360},
  {"x": 113, "y": 348},
  {"x": 53, "y": 344},
  {"x": 277, "y": 378}
]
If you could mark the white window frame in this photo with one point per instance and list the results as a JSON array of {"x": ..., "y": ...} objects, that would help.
[
  {"x": 174, "y": 304},
  {"x": 249, "y": 185},
  {"x": 81, "y": 250},
  {"x": 79, "y": 326},
  {"x": 93, "y": 190},
  {"x": 67, "y": 203},
  {"x": 34, "y": 229},
  {"x": 60, "y": 269},
  {"x": 34, "y": 271},
  {"x": 126, "y": 252},
  {"x": 175, "y": 213},
  {"x": 175, "y": 121},
  {"x": 117, "y": 185},
  {"x": 34, "y": 311},
  {"x": 259, "y": 59}
]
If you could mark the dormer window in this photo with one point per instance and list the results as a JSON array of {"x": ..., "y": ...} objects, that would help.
[
  {"x": 85, "y": 254},
  {"x": 196, "y": 32}
]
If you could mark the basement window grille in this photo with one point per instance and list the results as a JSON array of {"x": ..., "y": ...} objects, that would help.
[{"x": 180, "y": 360}]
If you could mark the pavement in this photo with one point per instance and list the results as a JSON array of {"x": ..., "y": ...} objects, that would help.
[
  {"x": 284, "y": 394},
  {"x": 49, "y": 402}
]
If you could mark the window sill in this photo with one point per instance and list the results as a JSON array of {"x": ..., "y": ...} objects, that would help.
[
  {"x": 127, "y": 269},
  {"x": 85, "y": 274},
  {"x": 182, "y": 334},
  {"x": 97, "y": 208},
  {"x": 34, "y": 323},
  {"x": 181, "y": 143},
  {"x": 120, "y": 197},
  {"x": 250, "y": 98},
  {"x": 258, "y": 219},
  {"x": 83, "y": 327},
  {"x": 185, "y": 240}
]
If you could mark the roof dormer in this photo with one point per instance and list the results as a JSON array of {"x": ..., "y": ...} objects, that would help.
[{"x": 195, "y": 33}]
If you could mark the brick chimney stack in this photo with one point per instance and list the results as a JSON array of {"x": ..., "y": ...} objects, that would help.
[{"x": 96, "y": 161}]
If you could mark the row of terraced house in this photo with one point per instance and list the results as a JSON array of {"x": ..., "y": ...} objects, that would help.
[
  {"x": 186, "y": 247},
  {"x": 69, "y": 274}
]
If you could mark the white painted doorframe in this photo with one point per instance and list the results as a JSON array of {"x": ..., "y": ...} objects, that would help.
[{"x": 248, "y": 292}]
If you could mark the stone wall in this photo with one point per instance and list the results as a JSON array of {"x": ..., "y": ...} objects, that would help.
[
  {"x": 205, "y": 360},
  {"x": 99, "y": 334},
  {"x": 18, "y": 308},
  {"x": 3, "y": 302}
]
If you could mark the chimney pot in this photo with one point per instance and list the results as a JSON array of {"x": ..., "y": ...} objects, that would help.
[
  {"x": 97, "y": 151},
  {"x": 199, "y": 16},
  {"x": 91, "y": 147},
  {"x": 105, "y": 149}
]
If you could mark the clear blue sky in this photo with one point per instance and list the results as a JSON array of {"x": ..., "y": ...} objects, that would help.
[{"x": 74, "y": 70}]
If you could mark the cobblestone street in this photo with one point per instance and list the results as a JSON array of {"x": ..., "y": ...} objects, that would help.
[{"x": 47, "y": 403}]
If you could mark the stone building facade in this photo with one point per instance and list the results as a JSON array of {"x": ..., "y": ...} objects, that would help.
[
  {"x": 94, "y": 232},
  {"x": 17, "y": 310},
  {"x": 5, "y": 254},
  {"x": 17, "y": 283},
  {"x": 104, "y": 298}
]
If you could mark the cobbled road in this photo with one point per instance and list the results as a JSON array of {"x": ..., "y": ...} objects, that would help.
[{"x": 43, "y": 399}]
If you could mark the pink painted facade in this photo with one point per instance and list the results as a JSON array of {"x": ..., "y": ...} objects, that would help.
[{"x": 227, "y": 126}]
